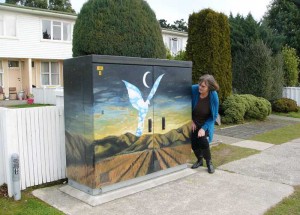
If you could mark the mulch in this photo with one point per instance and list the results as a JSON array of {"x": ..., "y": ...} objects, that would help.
[{"x": 3, "y": 191}]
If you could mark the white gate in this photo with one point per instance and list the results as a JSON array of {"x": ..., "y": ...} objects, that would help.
[{"x": 37, "y": 135}]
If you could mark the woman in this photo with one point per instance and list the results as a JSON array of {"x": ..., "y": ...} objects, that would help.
[{"x": 205, "y": 104}]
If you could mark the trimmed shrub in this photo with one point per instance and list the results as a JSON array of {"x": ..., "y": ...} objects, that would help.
[
  {"x": 208, "y": 47},
  {"x": 124, "y": 28},
  {"x": 285, "y": 105},
  {"x": 239, "y": 107}
]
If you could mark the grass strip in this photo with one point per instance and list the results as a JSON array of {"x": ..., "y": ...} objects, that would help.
[
  {"x": 289, "y": 205},
  {"x": 225, "y": 153},
  {"x": 279, "y": 136}
]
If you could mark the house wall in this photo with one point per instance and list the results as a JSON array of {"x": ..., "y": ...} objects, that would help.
[
  {"x": 29, "y": 43},
  {"x": 28, "y": 46}
]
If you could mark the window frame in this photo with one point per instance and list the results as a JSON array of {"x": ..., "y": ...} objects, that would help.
[
  {"x": 5, "y": 19},
  {"x": 50, "y": 73},
  {"x": 53, "y": 26},
  {"x": 173, "y": 40},
  {"x": 15, "y": 61}
]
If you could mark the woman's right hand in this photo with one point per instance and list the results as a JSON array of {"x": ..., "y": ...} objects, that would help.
[{"x": 194, "y": 127}]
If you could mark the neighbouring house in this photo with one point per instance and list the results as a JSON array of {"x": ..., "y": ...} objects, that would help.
[
  {"x": 34, "y": 42},
  {"x": 33, "y": 45},
  {"x": 175, "y": 41}
]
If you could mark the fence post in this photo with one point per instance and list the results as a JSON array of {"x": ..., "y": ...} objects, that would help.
[
  {"x": 2, "y": 141},
  {"x": 10, "y": 145}
]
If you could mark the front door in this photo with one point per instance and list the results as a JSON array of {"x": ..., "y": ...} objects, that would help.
[{"x": 14, "y": 75}]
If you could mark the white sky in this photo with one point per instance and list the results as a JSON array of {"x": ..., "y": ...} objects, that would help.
[{"x": 172, "y": 10}]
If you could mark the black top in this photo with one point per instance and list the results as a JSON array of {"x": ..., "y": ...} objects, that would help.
[{"x": 202, "y": 111}]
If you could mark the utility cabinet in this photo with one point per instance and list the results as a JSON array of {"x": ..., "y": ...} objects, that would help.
[{"x": 127, "y": 119}]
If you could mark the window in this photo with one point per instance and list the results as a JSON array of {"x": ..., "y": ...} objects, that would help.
[
  {"x": 1, "y": 74},
  {"x": 46, "y": 29},
  {"x": 175, "y": 45},
  {"x": 13, "y": 64},
  {"x": 50, "y": 73},
  {"x": 8, "y": 26},
  {"x": 1, "y": 26},
  {"x": 55, "y": 30}
]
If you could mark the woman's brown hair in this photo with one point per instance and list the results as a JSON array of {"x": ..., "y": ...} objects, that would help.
[{"x": 210, "y": 82}]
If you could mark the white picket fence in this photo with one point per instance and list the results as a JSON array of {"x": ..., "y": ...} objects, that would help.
[
  {"x": 292, "y": 93},
  {"x": 37, "y": 135}
]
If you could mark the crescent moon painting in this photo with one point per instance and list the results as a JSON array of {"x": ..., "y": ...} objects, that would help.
[{"x": 144, "y": 79}]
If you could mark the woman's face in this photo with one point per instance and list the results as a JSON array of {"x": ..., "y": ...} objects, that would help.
[{"x": 203, "y": 88}]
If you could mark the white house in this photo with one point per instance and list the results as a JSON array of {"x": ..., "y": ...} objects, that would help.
[
  {"x": 175, "y": 41},
  {"x": 34, "y": 42},
  {"x": 33, "y": 45}
]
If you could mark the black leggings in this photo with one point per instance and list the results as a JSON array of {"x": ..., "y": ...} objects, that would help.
[
  {"x": 199, "y": 142},
  {"x": 200, "y": 146}
]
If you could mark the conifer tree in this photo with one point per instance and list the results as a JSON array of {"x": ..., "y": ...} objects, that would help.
[
  {"x": 208, "y": 47},
  {"x": 124, "y": 28}
]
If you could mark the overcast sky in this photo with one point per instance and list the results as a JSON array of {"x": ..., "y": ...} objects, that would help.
[{"x": 173, "y": 10}]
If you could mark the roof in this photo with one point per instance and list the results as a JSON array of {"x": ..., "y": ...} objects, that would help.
[
  {"x": 174, "y": 32},
  {"x": 37, "y": 11}
]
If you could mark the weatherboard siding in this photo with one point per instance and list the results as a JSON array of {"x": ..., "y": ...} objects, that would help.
[{"x": 29, "y": 44}]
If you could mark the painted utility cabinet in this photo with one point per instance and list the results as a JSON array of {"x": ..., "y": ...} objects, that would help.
[{"x": 127, "y": 119}]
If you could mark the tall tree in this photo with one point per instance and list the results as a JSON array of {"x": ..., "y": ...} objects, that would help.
[
  {"x": 257, "y": 72},
  {"x": 180, "y": 25},
  {"x": 291, "y": 63},
  {"x": 246, "y": 30},
  {"x": 164, "y": 23},
  {"x": 114, "y": 27},
  {"x": 208, "y": 47},
  {"x": 283, "y": 17},
  {"x": 61, "y": 5}
]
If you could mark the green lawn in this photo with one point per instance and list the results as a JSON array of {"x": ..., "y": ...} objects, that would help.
[
  {"x": 28, "y": 205},
  {"x": 281, "y": 135},
  {"x": 224, "y": 153},
  {"x": 290, "y": 114},
  {"x": 288, "y": 206},
  {"x": 28, "y": 105}
]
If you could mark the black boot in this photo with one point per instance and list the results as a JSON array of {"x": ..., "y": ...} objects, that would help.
[
  {"x": 210, "y": 167},
  {"x": 207, "y": 157},
  {"x": 199, "y": 157}
]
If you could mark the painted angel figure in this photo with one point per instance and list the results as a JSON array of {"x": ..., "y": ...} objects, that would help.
[{"x": 137, "y": 101}]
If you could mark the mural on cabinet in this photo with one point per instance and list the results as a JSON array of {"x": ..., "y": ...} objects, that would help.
[{"x": 124, "y": 121}]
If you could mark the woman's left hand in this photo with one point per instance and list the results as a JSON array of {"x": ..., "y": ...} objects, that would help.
[{"x": 201, "y": 133}]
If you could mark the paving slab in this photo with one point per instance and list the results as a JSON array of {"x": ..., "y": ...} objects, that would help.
[
  {"x": 225, "y": 139},
  {"x": 248, "y": 130},
  {"x": 279, "y": 163},
  {"x": 251, "y": 144},
  {"x": 220, "y": 193},
  {"x": 125, "y": 191}
]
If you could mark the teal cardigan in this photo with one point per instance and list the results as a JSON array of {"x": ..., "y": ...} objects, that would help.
[{"x": 209, "y": 124}]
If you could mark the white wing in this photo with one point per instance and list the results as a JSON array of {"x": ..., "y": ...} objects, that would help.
[
  {"x": 154, "y": 88},
  {"x": 135, "y": 96}
]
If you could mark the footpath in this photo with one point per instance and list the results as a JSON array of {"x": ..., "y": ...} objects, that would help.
[{"x": 247, "y": 186}]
